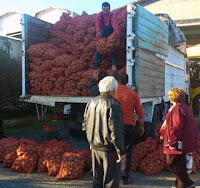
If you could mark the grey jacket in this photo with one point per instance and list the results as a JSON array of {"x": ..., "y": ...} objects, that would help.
[{"x": 103, "y": 124}]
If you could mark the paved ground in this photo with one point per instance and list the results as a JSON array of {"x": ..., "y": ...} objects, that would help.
[
  {"x": 73, "y": 136},
  {"x": 42, "y": 180}
]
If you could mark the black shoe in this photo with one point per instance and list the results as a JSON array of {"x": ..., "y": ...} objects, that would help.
[
  {"x": 95, "y": 66},
  {"x": 126, "y": 182},
  {"x": 91, "y": 172}
]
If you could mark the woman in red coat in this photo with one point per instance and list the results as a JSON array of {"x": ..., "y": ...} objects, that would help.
[{"x": 180, "y": 137}]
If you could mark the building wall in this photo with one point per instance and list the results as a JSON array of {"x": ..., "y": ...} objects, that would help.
[
  {"x": 177, "y": 9},
  {"x": 12, "y": 46},
  {"x": 10, "y": 23},
  {"x": 51, "y": 16}
]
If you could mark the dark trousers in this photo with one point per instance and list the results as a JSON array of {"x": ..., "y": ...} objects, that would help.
[
  {"x": 130, "y": 133},
  {"x": 98, "y": 57},
  {"x": 106, "y": 171},
  {"x": 177, "y": 164}
]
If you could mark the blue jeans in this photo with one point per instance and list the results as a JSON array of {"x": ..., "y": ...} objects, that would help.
[{"x": 98, "y": 57}]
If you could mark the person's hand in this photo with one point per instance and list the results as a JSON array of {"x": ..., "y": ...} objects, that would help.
[
  {"x": 95, "y": 75},
  {"x": 163, "y": 126},
  {"x": 120, "y": 158},
  {"x": 173, "y": 148},
  {"x": 141, "y": 130},
  {"x": 161, "y": 133},
  {"x": 114, "y": 68}
]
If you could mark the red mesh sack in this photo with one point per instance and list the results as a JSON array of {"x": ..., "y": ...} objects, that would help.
[
  {"x": 106, "y": 46},
  {"x": 10, "y": 152},
  {"x": 53, "y": 156},
  {"x": 42, "y": 167},
  {"x": 154, "y": 162},
  {"x": 87, "y": 158},
  {"x": 141, "y": 150},
  {"x": 37, "y": 50},
  {"x": 72, "y": 165},
  {"x": 26, "y": 157}
]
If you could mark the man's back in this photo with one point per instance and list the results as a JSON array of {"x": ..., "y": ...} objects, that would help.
[
  {"x": 103, "y": 116},
  {"x": 129, "y": 101}
]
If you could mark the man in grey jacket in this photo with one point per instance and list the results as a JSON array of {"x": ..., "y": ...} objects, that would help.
[{"x": 104, "y": 128}]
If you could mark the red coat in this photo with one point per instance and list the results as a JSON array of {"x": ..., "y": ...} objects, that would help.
[
  {"x": 129, "y": 101},
  {"x": 106, "y": 19},
  {"x": 180, "y": 126}
]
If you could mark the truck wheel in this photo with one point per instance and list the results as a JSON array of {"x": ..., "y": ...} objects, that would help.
[
  {"x": 155, "y": 120},
  {"x": 196, "y": 105}
]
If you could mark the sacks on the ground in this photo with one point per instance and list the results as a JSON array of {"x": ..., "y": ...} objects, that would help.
[
  {"x": 72, "y": 165},
  {"x": 53, "y": 156},
  {"x": 26, "y": 157}
]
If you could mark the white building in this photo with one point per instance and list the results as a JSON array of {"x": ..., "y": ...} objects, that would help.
[
  {"x": 52, "y": 15},
  {"x": 10, "y": 23}
]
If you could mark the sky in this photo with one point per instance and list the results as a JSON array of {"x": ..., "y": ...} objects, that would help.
[{"x": 78, "y": 6}]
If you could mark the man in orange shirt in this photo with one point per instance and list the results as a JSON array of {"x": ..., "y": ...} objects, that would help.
[{"x": 130, "y": 102}]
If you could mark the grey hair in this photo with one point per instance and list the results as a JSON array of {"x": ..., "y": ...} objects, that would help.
[{"x": 108, "y": 84}]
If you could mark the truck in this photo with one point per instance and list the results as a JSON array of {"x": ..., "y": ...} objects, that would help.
[
  {"x": 152, "y": 64},
  {"x": 194, "y": 61}
]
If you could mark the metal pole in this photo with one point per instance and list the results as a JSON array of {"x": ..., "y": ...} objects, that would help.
[
  {"x": 42, "y": 109},
  {"x": 23, "y": 56},
  {"x": 38, "y": 114},
  {"x": 199, "y": 108},
  {"x": 129, "y": 44}
]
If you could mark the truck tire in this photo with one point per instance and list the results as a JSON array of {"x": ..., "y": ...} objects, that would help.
[
  {"x": 155, "y": 120},
  {"x": 196, "y": 105}
]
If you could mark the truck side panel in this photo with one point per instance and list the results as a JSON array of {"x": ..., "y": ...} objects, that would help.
[
  {"x": 151, "y": 32},
  {"x": 151, "y": 38},
  {"x": 34, "y": 31},
  {"x": 175, "y": 70},
  {"x": 151, "y": 71}
]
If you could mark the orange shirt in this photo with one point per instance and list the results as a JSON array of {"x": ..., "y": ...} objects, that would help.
[{"x": 129, "y": 101}]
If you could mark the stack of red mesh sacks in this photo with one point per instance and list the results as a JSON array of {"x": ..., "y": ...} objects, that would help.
[
  {"x": 8, "y": 151},
  {"x": 196, "y": 158},
  {"x": 26, "y": 157},
  {"x": 53, "y": 156},
  {"x": 42, "y": 166},
  {"x": 154, "y": 162},
  {"x": 72, "y": 165},
  {"x": 141, "y": 150},
  {"x": 87, "y": 158},
  {"x": 61, "y": 65}
]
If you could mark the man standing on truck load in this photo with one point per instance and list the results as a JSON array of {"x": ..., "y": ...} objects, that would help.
[
  {"x": 130, "y": 102},
  {"x": 106, "y": 23},
  {"x": 104, "y": 128}
]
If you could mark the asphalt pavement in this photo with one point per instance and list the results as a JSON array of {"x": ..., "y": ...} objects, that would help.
[{"x": 42, "y": 180}]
